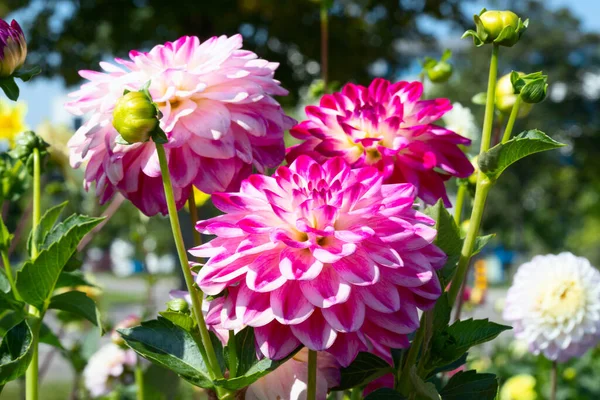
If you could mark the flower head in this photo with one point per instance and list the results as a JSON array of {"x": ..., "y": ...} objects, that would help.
[
  {"x": 554, "y": 305},
  {"x": 519, "y": 387},
  {"x": 386, "y": 125},
  {"x": 13, "y": 48},
  {"x": 461, "y": 120},
  {"x": 12, "y": 122},
  {"x": 322, "y": 255},
  {"x": 217, "y": 110},
  {"x": 290, "y": 380},
  {"x": 107, "y": 366}
]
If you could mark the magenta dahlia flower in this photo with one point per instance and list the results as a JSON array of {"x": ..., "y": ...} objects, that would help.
[
  {"x": 321, "y": 255},
  {"x": 387, "y": 126},
  {"x": 13, "y": 48},
  {"x": 218, "y": 113}
]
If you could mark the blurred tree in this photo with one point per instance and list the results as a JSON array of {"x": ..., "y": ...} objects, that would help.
[{"x": 69, "y": 35}]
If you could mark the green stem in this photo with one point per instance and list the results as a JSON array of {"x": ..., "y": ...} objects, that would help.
[
  {"x": 356, "y": 394},
  {"x": 194, "y": 218},
  {"x": 232, "y": 351},
  {"x": 488, "y": 120},
  {"x": 553, "y": 380},
  {"x": 31, "y": 376},
  {"x": 139, "y": 379},
  {"x": 195, "y": 294},
  {"x": 311, "y": 391},
  {"x": 460, "y": 200},
  {"x": 404, "y": 384},
  {"x": 324, "y": 44},
  {"x": 482, "y": 188},
  {"x": 511, "y": 120},
  {"x": 9, "y": 274}
]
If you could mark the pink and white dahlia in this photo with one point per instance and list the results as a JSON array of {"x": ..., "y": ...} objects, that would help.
[
  {"x": 218, "y": 113},
  {"x": 108, "y": 367},
  {"x": 554, "y": 305},
  {"x": 290, "y": 380},
  {"x": 321, "y": 255},
  {"x": 386, "y": 125}
]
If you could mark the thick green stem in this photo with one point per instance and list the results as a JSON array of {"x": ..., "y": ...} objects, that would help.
[
  {"x": 194, "y": 218},
  {"x": 31, "y": 376},
  {"x": 9, "y": 274},
  {"x": 511, "y": 120},
  {"x": 460, "y": 201},
  {"x": 311, "y": 391},
  {"x": 324, "y": 44},
  {"x": 195, "y": 294},
  {"x": 553, "y": 380},
  {"x": 482, "y": 188},
  {"x": 232, "y": 351},
  {"x": 139, "y": 379},
  {"x": 404, "y": 384}
]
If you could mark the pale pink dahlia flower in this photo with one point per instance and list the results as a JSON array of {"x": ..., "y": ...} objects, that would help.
[
  {"x": 290, "y": 380},
  {"x": 218, "y": 113},
  {"x": 554, "y": 305},
  {"x": 386, "y": 125},
  {"x": 321, "y": 255}
]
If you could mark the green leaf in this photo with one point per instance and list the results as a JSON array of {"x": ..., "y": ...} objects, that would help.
[
  {"x": 450, "y": 367},
  {"x": 11, "y": 318},
  {"x": 26, "y": 74},
  {"x": 37, "y": 279},
  {"x": 46, "y": 223},
  {"x": 470, "y": 385},
  {"x": 481, "y": 241},
  {"x": 170, "y": 346},
  {"x": 15, "y": 352},
  {"x": 79, "y": 304},
  {"x": 182, "y": 320},
  {"x": 4, "y": 283},
  {"x": 498, "y": 158},
  {"x": 160, "y": 383},
  {"x": 441, "y": 313},
  {"x": 385, "y": 394},
  {"x": 10, "y": 88},
  {"x": 72, "y": 279},
  {"x": 448, "y": 239},
  {"x": 5, "y": 236},
  {"x": 48, "y": 337},
  {"x": 426, "y": 390},
  {"x": 479, "y": 99},
  {"x": 250, "y": 368},
  {"x": 364, "y": 369}
]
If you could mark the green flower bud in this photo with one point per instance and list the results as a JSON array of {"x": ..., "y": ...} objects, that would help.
[
  {"x": 135, "y": 117},
  {"x": 440, "y": 73},
  {"x": 25, "y": 143},
  {"x": 532, "y": 87},
  {"x": 178, "y": 305},
  {"x": 504, "y": 28},
  {"x": 506, "y": 96}
]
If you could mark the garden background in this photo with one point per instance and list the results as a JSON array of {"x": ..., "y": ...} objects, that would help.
[{"x": 547, "y": 209}]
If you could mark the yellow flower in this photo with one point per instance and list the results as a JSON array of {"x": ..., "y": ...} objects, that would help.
[
  {"x": 200, "y": 197},
  {"x": 12, "y": 120},
  {"x": 570, "y": 373},
  {"x": 519, "y": 387},
  {"x": 57, "y": 136}
]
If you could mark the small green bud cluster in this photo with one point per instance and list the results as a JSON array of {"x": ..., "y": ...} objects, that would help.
[
  {"x": 506, "y": 96},
  {"x": 438, "y": 71},
  {"x": 532, "y": 87},
  {"x": 25, "y": 144},
  {"x": 503, "y": 28}
]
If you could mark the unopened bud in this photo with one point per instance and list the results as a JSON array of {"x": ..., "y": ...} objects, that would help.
[
  {"x": 177, "y": 305},
  {"x": 25, "y": 144},
  {"x": 506, "y": 96},
  {"x": 135, "y": 117},
  {"x": 503, "y": 28},
  {"x": 13, "y": 48}
]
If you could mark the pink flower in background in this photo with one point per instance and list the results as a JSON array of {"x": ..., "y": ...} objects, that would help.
[
  {"x": 218, "y": 113},
  {"x": 107, "y": 368},
  {"x": 386, "y": 125},
  {"x": 321, "y": 255},
  {"x": 290, "y": 380}
]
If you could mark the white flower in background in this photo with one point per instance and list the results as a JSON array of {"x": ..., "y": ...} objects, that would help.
[
  {"x": 121, "y": 256},
  {"x": 160, "y": 264},
  {"x": 554, "y": 305},
  {"x": 289, "y": 381},
  {"x": 461, "y": 120},
  {"x": 107, "y": 366}
]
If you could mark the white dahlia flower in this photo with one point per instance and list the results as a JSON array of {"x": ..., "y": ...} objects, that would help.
[{"x": 554, "y": 305}]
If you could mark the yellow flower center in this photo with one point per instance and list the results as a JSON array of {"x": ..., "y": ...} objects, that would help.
[{"x": 562, "y": 300}]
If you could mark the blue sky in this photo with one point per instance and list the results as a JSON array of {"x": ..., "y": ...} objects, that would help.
[{"x": 45, "y": 97}]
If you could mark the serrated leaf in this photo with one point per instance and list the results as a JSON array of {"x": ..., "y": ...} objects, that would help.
[
  {"x": 46, "y": 223},
  {"x": 385, "y": 394},
  {"x": 451, "y": 366},
  {"x": 498, "y": 158},
  {"x": 170, "y": 346},
  {"x": 365, "y": 368},
  {"x": 26, "y": 74},
  {"x": 182, "y": 320},
  {"x": 72, "y": 279},
  {"x": 10, "y": 88},
  {"x": 15, "y": 352},
  {"x": 441, "y": 313},
  {"x": 425, "y": 390},
  {"x": 448, "y": 239},
  {"x": 37, "y": 279},
  {"x": 79, "y": 304},
  {"x": 250, "y": 368},
  {"x": 481, "y": 242},
  {"x": 470, "y": 385}
]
